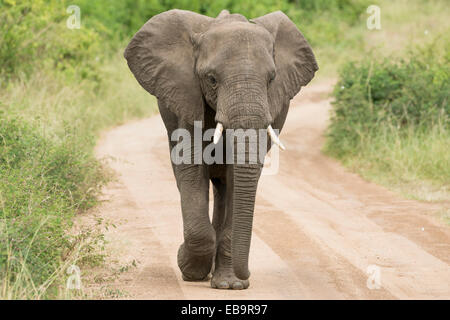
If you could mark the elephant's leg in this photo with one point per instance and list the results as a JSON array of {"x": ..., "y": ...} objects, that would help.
[
  {"x": 195, "y": 255},
  {"x": 219, "y": 213},
  {"x": 223, "y": 275}
]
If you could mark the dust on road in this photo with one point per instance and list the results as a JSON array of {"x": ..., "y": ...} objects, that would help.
[{"x": 317, "y": 227}]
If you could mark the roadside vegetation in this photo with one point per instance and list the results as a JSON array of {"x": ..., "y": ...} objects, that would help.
[
  {"x": 391, "y": 121},
  {"x": 391, "y": 115},
  {"x": 59, "y": 88}
]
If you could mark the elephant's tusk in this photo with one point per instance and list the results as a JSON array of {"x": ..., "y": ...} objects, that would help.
[
  {"x": 218, "y": 133},
  {"x": 275, "y": 138}
]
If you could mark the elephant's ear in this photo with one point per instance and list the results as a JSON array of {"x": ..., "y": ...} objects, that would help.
[
  {"x": 294, "y": 60},
  {"x": 161, "y": 57}
]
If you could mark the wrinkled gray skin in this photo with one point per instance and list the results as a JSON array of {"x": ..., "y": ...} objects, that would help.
[{"x": 230, "y": 70}]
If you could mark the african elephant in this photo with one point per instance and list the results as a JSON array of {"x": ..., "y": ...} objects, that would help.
[{"x": 227, "y": 72}]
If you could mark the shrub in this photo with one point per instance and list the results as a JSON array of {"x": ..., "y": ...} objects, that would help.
[
  {"x": 399, "y": 93},
  {"x": 391, "y": 120},
  {"x": 42, "y": 183},
  {"x": 35, "y": 35}
]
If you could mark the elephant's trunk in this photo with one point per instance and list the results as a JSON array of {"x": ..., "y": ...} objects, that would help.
[
  {"x": 243, "y": 106},
  {"x": 245, "y": 181}
]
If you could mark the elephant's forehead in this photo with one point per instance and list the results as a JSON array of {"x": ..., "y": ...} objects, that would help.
[{"x": 239, "y": 33}]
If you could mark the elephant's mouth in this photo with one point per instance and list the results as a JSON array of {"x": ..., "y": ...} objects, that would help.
[{"x": 270, "y": 131}]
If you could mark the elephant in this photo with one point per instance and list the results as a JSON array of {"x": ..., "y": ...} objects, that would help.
[{"x": 224, "y": 72}]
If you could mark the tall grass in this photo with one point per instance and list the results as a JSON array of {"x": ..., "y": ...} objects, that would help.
[
  {"x": 391, "y": 120},
  {"x": 414, "y": 162},
  {"x": 55, "y": 103},
  {"x": 337, "y": 39},
  {"x": 19, "y": 275},
  {"x": 48, "y": 173}
]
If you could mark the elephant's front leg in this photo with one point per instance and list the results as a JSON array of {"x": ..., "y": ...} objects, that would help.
[
  {"x": 223, "y": 276},
  {"x": 195, "y": 255}
]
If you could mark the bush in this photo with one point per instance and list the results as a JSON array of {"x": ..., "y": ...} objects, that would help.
[
  {"x": 35, "y": 35},
  {"x": 395, "y": 92},
  {"x": 48, "y": 172},
  {"x": 391, "y": 117},
  {"x": 42, "y": 183}
]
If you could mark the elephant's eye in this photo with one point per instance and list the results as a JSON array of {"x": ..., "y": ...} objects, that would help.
[
  {"x": 272, "y": 76},
  {"x": 212, "y": 80}
]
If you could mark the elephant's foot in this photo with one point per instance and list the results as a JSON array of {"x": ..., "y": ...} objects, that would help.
[
  {"x": 194, "y": 268},
  {"x": 225, "y": 279}
]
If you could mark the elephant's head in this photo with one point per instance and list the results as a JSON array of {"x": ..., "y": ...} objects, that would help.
[{"x": 246, "y": 71}]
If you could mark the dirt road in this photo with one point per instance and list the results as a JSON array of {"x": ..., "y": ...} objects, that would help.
[{"x": 317, "y": 227}]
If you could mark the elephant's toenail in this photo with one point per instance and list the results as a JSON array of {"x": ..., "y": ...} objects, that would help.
[
  {"x": 238, "y": 286},
  {"x": 223, "y": 285}
]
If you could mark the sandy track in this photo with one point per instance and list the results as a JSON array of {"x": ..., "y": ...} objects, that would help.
[{"x": 317, "y": 227}]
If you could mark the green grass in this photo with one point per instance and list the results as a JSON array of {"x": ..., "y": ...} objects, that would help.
[
  {"x": 404, "y": 23},
  {"x": 391, "y": 118},
  {"x": 48, "y": 172},
  {"x": 412, "y": 162},
  {"x": 54, "y": 103}
]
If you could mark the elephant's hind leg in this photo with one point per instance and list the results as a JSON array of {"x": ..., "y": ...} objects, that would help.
[
  {"x": 223, "y": 275},
  {"x": 195, "y": 255}
]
